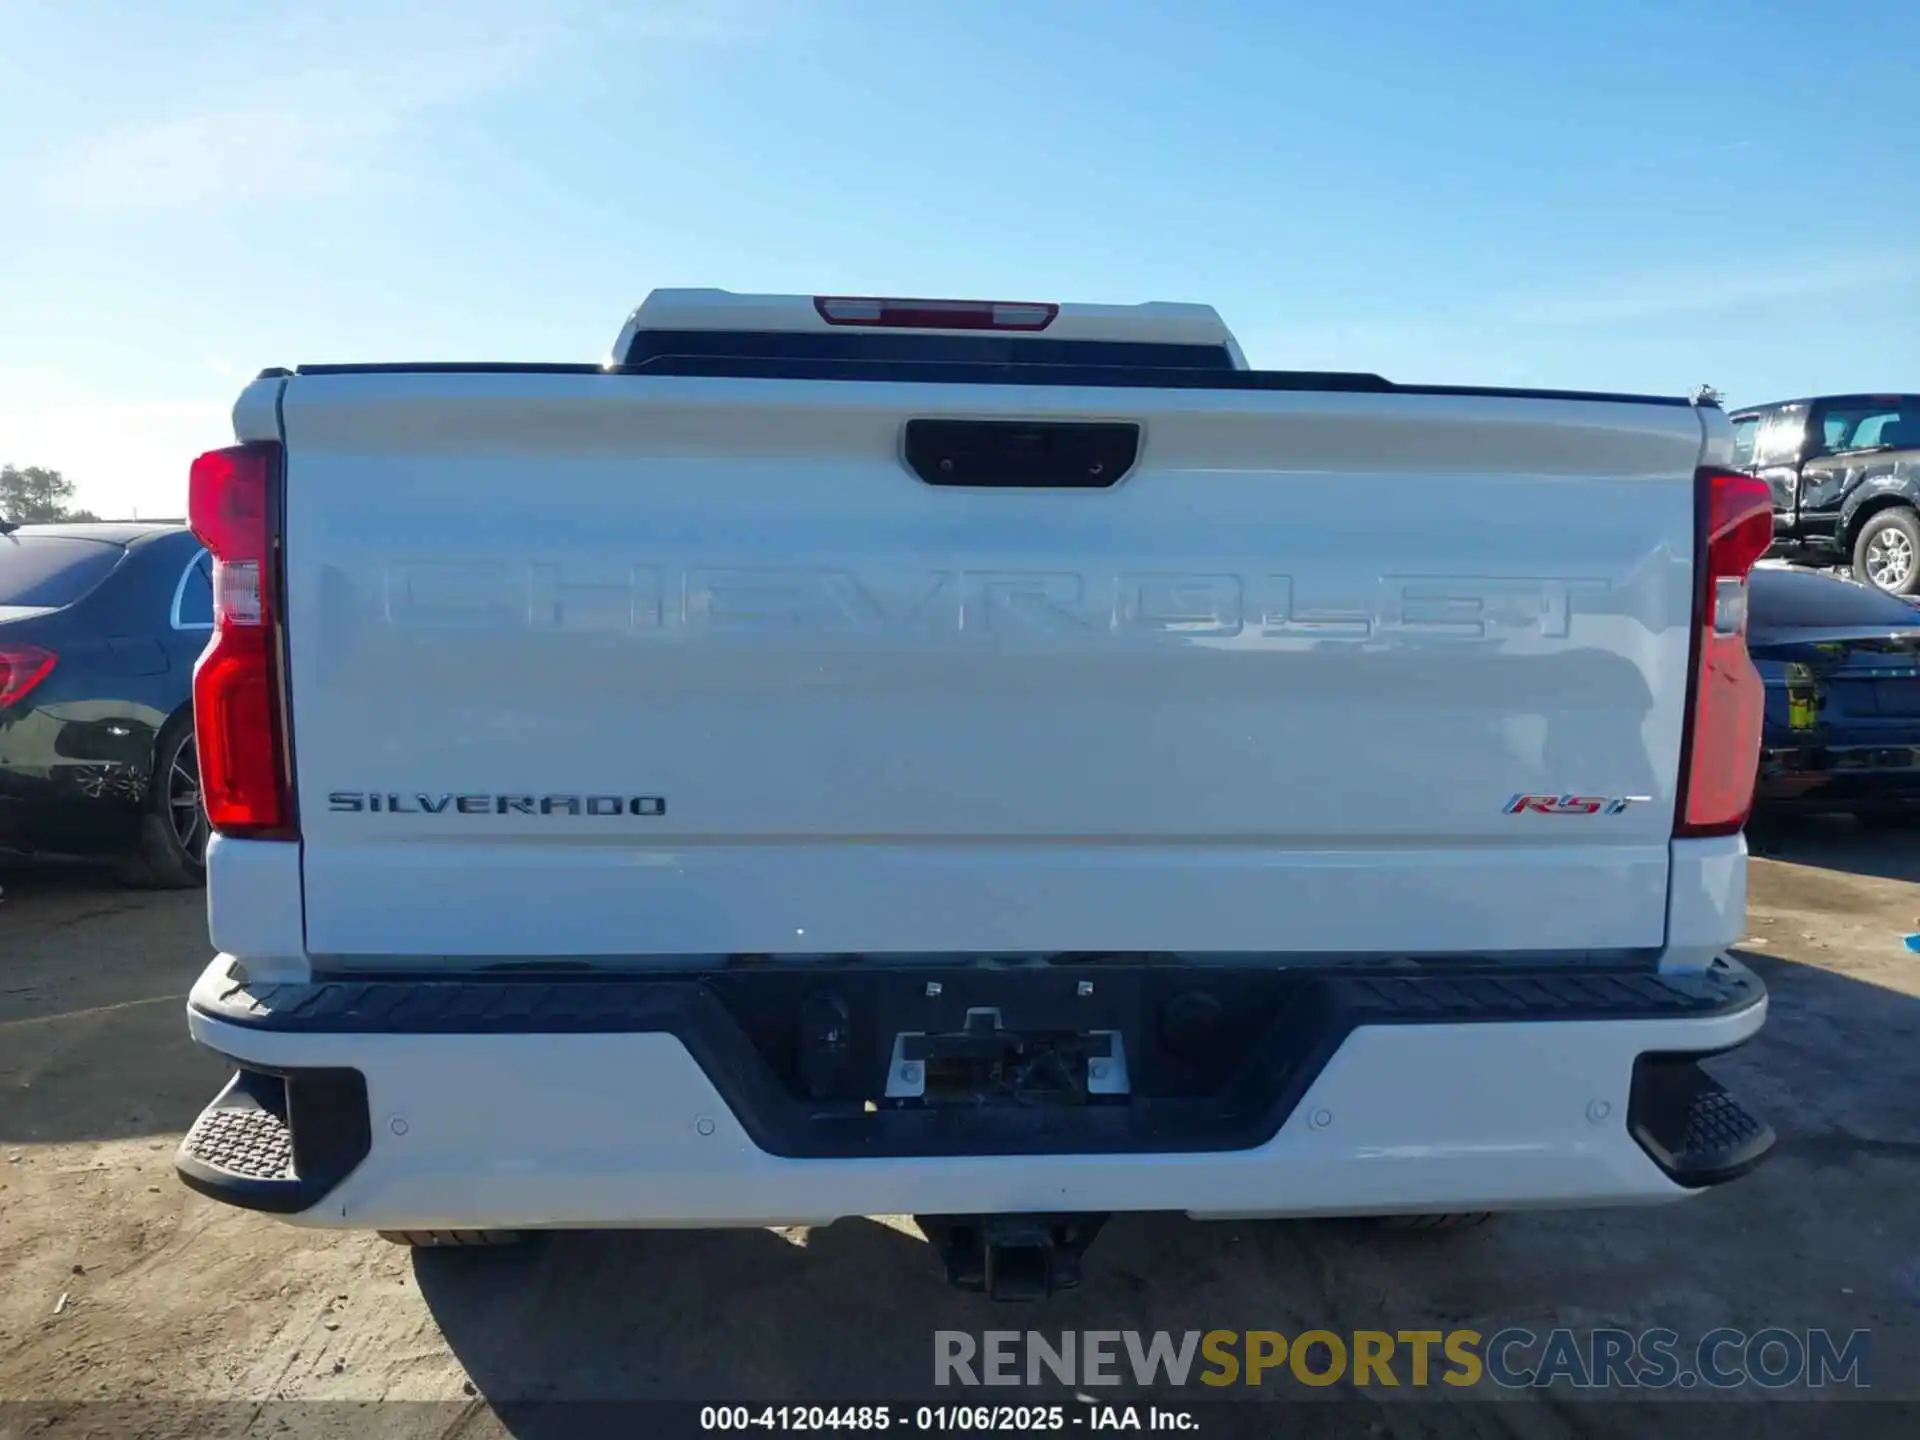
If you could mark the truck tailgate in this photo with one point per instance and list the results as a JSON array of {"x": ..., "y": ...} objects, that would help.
[{"x": 607, "y": 666}]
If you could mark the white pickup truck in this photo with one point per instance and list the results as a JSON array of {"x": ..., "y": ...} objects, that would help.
[{"x": 1001, "y": 763}]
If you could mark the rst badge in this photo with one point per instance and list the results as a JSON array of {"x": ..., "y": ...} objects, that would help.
[{"x": 1572, "y": 804}]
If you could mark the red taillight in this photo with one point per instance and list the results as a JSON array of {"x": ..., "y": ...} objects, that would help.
[
  {"x": 1721, "y": 748},
  {"x": 238, "y": 725},
  {"x": 935, "y": 314},
  {"x": 21, "y": 668}
]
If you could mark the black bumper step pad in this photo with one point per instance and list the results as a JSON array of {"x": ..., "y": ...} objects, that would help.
[
  {"x": 663, "y": 1000},
  {"x": 1690, "y": 1126},
  {"x": 247, "y": 1142},
  {"x": 278, "y": 1142}
]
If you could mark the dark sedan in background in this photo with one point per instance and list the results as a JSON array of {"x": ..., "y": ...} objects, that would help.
[
  {"x": 99, "y": 627},
  {"x": 1841, "y": 663}
]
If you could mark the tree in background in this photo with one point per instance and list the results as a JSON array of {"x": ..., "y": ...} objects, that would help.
[{"x": 35, "y": 495}]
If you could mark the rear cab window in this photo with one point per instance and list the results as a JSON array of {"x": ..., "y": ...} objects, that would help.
[
  {"x": 51, "y": 571},
  {"x": 1745, "y": 430}
]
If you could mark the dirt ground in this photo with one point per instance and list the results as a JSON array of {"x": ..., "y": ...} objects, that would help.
[{"x": 121, "y": 1285}]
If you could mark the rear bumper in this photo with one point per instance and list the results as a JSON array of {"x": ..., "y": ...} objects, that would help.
[{"x": 622, "y": 1102}]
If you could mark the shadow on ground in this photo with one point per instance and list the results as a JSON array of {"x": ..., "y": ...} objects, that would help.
[
  {"x": 1837, "y": 842},
  {"x": 93, "y": 1030}
]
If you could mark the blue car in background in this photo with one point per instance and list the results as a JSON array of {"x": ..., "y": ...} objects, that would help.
[{"x": 1841, "y": 663}]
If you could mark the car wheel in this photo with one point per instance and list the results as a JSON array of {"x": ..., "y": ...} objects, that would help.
[
  {"x": 1886, "y": 552},
  {"x": 171, "y": 853}
]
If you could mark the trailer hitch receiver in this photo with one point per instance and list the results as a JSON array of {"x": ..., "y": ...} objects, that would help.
[{"x": 1012, "y": 1257}]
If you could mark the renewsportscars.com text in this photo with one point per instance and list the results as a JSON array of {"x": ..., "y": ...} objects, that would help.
[{"x": 1513, "y": 1358}]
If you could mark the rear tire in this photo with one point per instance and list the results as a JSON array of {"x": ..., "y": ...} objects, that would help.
[
  {"x": 1886, "y": 552},
  {"x": 453, "y": 1239},
  {"x": 171, "y": 848}
]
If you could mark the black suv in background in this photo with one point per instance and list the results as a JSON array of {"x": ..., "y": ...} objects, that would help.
[{"x": 1845, "y": 472}]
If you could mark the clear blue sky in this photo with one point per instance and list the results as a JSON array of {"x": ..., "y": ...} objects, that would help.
[{"x": 1629, "y": 194}]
